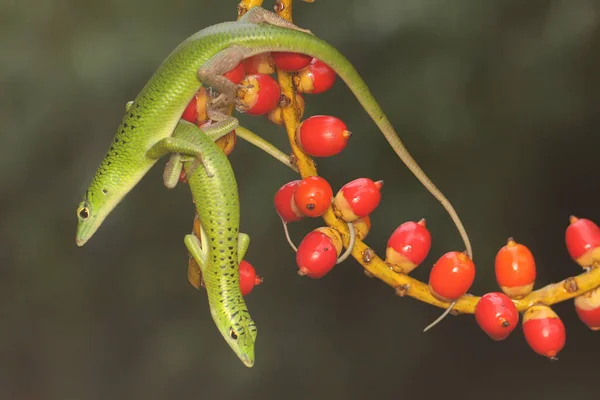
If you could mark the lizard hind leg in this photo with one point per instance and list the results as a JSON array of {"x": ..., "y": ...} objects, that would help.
[
  {"x": 259, "y": 15},
  {"x": 173, "y": 170},
  {"x": 195, "y": 269},
  {"x": 195, "y": 249},
  {"x": 243, "y": 244},
  {"x": 197, "y": 259}
]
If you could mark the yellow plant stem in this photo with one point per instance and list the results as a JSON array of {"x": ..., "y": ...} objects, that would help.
[{"x": 245, "y": 5}]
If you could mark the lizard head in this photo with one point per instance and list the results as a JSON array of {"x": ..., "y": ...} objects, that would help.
[
  {"x": 97, "y": 203},
  {"x": 240, "y": 333}
]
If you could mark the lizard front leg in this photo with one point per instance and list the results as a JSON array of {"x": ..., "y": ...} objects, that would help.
[
  {"x": 219, "y": 129},
  {"x": 195, "y": 249},
  {"x": 195, "y": 269}
]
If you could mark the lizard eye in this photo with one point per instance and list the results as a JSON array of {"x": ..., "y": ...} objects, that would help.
[
  {"x": 233, "y": 334},
  {"x": 83, "y": 212}
]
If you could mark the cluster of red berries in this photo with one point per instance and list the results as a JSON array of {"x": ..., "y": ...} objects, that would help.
[
  {"x": 515, "y": 272},
  {"x": 311, "y": 197},
  {"x": 260, "y": 94},
  {"x": 583, "y": 243},
  {"x": 408, "y": 246},
  {"x": 452, "y": 274}
]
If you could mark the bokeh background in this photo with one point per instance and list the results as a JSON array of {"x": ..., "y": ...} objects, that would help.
[{"x": 499, "y": 102}]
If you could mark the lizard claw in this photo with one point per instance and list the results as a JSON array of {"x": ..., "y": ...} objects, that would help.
[
  {"x": 220, "y": 102},
  {"x": 240, "y": 106}
]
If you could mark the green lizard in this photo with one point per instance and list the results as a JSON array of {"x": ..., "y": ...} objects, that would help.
[
  {"x": 202, "y": 59},
  {"x": 222, "y": 247}
]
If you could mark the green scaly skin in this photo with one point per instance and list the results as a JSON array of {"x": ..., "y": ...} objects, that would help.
[
  {"x": 157, "y": 109},
  {"x": 217, "y": 205}
]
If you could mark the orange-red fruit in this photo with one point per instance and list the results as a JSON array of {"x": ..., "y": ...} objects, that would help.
[
  {"x": 587, "y": 307},
  {"x": 194, "y": 273},
  {"x": 236, "y": 75},
  {"x": 290, "y": 62},
  {"x": 322, "y": 135},
  {"x": 183, "y": 176},
  {"x": 544, "y": 331},
  {"x": 451, "y": 276},
  {"x": 190, "y": 114},
  {"x": 276, "y": 115},
  {"x": 259, "y": 64},
  {"x": 362, "y": 226},
  {"x": 313, "y": 196},
  {"x": 248, "y": 278},
  {"x": 284, "y": 202},
  {"x": 357, "y": 199},
  {"x": 202, "y": 100},
  {"x": 408, "y": 246},
  {"x": 515, "y": 269},
  {"x": 318, "y": 252},
  {"x": 496, "y": 315},
  {"x": 583, "y": 241},
  {"x": 227, "y": 142},
  {"x": 317, "y": 77},
  {"x": 259, "y": 94}
]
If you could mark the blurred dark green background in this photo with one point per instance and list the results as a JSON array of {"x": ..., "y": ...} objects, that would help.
[{"x": 499, "y": 102}]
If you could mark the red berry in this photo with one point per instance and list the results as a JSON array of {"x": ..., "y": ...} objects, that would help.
[
  {"x": 587, "y": 307},
  {"x": 276, "y": 115},
  {"x": 408, "y": 246},
  {"x": 318, "y": 77},
  {"x": 357, "y": 199},
  {"x": 248, "y": 278},
  {"x": 362, "y": 226},
  {"x": 496, "y": 315},
  {"x": 284, "y": 202},
  {"x": 322, "y": 135},
  {"x": 236, "y": 74},
  {"x": 202, "y": 99},
  {"x": 544, "y": 331},
  {"x": 183, "y": 176},
  {"x": 583, "y": 241},
  {"x": 318, "y": 252},
  {"x": 290, "y": 62},
  {"x": 227, "y": 142},
  {"x": 515, "y": 269},
  {"x": 451, "y": 276},
  {"x": 259, "y": 64},
  {"x": 190, "y": 114},
  {"x": 259, "y": 94},
  {"x": 313, "y": 196}
]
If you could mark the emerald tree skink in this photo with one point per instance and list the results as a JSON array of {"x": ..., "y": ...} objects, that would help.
[
  {"x": 222, "y": 246},
  {"x": 202, "y": 59}
]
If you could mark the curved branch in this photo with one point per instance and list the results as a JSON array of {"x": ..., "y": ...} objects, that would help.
[
  {"x": 374, "y": 266},
  {"x": 265, "y": 146}
]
